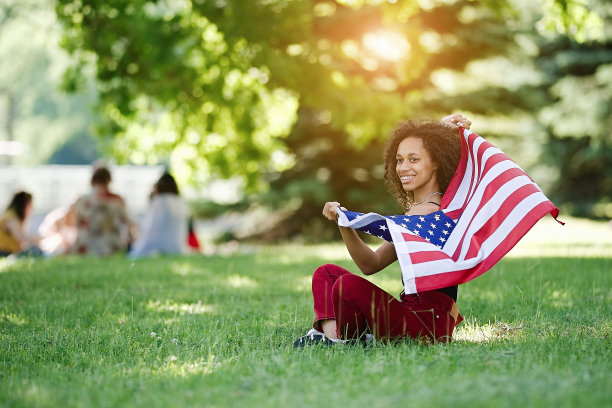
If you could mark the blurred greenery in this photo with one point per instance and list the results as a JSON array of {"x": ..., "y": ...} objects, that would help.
[
  {"x": 33, "y": 110},
  {"x": 296, "y": 98}
]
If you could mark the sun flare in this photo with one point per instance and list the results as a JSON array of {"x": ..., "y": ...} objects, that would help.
[{"x": 388, "y": 45}]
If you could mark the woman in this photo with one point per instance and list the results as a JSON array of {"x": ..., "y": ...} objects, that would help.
[
  {"x": 101, "y": 216},
  {"x": 420, "y": 161},
  {"x": 13, "y": 237},
  {"x": 164, "y": 228}
]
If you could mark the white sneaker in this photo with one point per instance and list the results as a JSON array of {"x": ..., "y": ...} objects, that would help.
[{"x": 313, "y": 337}]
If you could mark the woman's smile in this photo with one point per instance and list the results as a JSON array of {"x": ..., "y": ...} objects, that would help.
[{"x": 406, "y": 179}]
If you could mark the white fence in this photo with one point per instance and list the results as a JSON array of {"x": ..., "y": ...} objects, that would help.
[
  {"x": 59, "y": 185},
  {"x": 56, "y": 186}
]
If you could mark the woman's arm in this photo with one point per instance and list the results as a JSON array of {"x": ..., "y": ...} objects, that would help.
[{"x": 367, "y": 260}]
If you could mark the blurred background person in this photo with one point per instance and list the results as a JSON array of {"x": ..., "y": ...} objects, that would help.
[
  {"x": 58, "y": 231},
  {"x": 164, "y": 229},
  {"x": 102, "y": 223},
  {"x": 13, "y": 236}
]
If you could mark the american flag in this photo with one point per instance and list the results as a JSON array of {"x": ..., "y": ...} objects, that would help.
[
  {"x": 435, "y": 227},
  {"x": 488, "y": 207}
]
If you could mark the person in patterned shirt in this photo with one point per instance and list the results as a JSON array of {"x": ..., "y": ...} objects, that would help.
[{"x": 101, "y": 219}]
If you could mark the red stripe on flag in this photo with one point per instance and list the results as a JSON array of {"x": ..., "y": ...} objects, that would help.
[
  {"x": 498, "y": 218},
  {"x": 427, "y": 256},
  {"x": 453, "y": 215},
  {"x": 488, "y": 193},
  {"x": 494, "y": 159},
  {"x": 528, "y": 221},
  {"x": 476, "y": 174},
  {"x": 455, "y": 182},
  {"x": 411, "y": 237},
  {"x": 474, "y": 167},
  {"x": 443, "y": 280}
]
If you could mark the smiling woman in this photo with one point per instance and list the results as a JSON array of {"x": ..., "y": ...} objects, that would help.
[{"x": 420, "y": 160}]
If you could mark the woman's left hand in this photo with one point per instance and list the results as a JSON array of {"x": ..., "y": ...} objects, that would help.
[
  {"x": 329, "y": 210},
  {"x": 456, "y": 121}
]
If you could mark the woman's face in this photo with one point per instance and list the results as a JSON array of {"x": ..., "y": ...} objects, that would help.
[
  {"x": 28, "y": 209},
  {"x": 415, "y": 167}
]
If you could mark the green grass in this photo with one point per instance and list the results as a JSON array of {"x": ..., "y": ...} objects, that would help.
[{"x": 79, "y": 332}]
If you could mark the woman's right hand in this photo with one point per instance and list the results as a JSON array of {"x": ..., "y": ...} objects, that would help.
[
  {"x": 456, "y": 121},
  {"x": 329, "y": 210}
]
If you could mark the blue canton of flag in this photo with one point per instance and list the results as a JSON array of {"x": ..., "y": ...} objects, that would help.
[{"x": 434, "y": 227}]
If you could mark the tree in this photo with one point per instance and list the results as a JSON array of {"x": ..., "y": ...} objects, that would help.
[
  {"x": 38, "y": 113},
  {"x": 215, "y": 85},
  {"x": 578, "y": 119},
  {"x": 297, "y": 94}
]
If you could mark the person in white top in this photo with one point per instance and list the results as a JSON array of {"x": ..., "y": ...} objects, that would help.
[{"x": 164, "y": 227}]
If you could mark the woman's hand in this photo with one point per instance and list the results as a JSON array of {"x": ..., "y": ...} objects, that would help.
[
  {"x": 329, "y": 210},
  {"x": 456, "y": 121},
  {"x": 367, "y": 261}
]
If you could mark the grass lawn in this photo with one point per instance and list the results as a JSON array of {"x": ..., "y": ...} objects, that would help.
[{"x": 217, "y": 332}]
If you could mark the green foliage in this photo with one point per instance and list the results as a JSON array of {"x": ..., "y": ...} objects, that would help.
[
  {"x": 578, "y": 120},
  {"x": 574, "y": 18},
  {"x": 173, "y": 87},
  {"x": 39, "y": 114},
  {"x": 258, "y": 89},
  {"x": 217, "y": 331},
  {"x": 214, "y": 85}
]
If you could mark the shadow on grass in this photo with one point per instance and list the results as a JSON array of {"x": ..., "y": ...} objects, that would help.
[
  {"x": 152, "y": 332},
  {"x": 251, "y": 290}
]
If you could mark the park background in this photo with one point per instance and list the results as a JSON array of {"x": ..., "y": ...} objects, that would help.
[
  {"x": 263, "y": 110},
  {"x": 266, "y": 109}
]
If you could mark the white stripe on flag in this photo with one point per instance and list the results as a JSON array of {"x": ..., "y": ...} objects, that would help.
[
  {"x": 472, "y": 208},
  {"x": 403, "y": 256},
  {"x": 359, "y": 221},
  {"x": 461, "y": 195},
  {"x": 489, "y": 245},
  {"x": 486, "y": 212}
]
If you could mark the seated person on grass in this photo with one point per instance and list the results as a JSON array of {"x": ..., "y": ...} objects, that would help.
[
  {"x": 164, "y": 229},
  {"x": 455, "y": 227},
  {"x": 102, "y": 223},
  {"x": 13, "y": 236}
]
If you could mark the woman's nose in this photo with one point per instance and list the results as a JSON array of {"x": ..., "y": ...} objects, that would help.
[{"x": 404, "y": 165}]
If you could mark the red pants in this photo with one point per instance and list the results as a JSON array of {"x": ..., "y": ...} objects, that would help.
[{"x": 359, "y": 306}]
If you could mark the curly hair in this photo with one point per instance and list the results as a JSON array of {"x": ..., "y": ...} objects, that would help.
[{"x": 441, "y": 142}]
